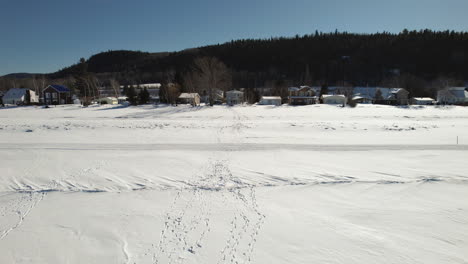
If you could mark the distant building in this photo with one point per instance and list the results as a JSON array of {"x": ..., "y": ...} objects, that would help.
[
  {"x": 303, "y": 95},
  {"x": 362, "y": 99},
  {"x": 391, "y": 96},
  {"x": 107, "y": 100},
  {"x": 234, "y": 97},
  {"x": 17, "y": 96},
  {"x": 270, "y": 100},
  {"x": 422, "y": 101},
  {"x": 56, "y": 95},
  {"x": 398, "y": 96},
  {"x": 453, "y": 95},
  {"x": 334, "y": 99},
  {"x": 218, "y": 96},
  {"x": 189, "y": 98}
]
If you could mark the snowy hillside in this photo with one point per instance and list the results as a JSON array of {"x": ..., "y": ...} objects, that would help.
[{"x": 253, "y": 184}]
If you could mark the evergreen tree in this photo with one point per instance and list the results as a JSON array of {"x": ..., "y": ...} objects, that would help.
[
  {"x": 144, "y": 96},
  {"x": 132, "y": 96},
  {"x": 378, "y": 97},
  {"x": 27, "y": 97}
]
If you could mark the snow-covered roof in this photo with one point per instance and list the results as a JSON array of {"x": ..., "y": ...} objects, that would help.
[
  {"x": 423, "y": 99},
  {"x": 271, "y": 98},
  {"x": 60, "y": 88},
  {"x": 333, "y": 95},
  {"x": 459, "y": 92},
  {"x": 293, "y": 89},
  {"x": 15, "y": 93},
  {"x": 188, "y": 95},
  {"x": 234, "y": 92},
  {"x": 122, "y": 97}
]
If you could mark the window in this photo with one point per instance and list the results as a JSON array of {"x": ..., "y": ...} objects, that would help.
[
  {"x": 54, "y": 95},
  {"x": 47, "y": 95}
]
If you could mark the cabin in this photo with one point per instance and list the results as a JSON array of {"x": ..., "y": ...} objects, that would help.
[
  {"x": 303, "y": 95},
  {"x": 334, "y": 99},
  {"x": 234, "y": 97},
  {"x": 422, "y": 101},
  {"x": 453, "y": 95},
  {"x": 20, "y": 96},
  {"x": 57, "y": 95},
  {"x": 270, "y": 100},
  {"x": 189, "y": 98}
]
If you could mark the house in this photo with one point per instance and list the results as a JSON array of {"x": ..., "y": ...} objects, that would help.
[
  {"x": 57, "y": 95},
  {"x": 270, "y": 100},
  {"x": 453, "y": 95},
  {"x": 19, "y": 96},
  {"x": 334, "y": 99},
  {"x": 218, "y": 96},
  {"x": 189, "y": 98},
  {"x": 392, "y": 96},
  {"x": 234, "y": 97},
  {"x": 303, "y": 95},
  {"x": 422, "y": 101},
  {"x": 108, "y": 100},
  {"x": 398, "y": 96}
]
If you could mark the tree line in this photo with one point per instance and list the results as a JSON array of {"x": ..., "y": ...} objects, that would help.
[{"x": 419, "y": 61}]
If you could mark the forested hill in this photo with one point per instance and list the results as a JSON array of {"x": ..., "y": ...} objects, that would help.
[{"x": 358, "y": 59}]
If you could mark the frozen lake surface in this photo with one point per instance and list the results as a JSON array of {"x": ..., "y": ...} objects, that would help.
[{"x": 253, "y": 184}]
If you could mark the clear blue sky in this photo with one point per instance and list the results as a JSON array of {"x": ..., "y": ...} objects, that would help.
[{"x": 42, "y": 36}]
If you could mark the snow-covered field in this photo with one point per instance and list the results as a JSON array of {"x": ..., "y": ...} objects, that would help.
[{"x": 253, "y": 184}]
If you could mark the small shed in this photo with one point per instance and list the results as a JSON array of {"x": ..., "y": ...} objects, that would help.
[
  {"x": 270, "y": 100},
  {"x": 422, "y": 101},
  {"x": 334, "y": 99},
  {"x": 189, "y": 98}
]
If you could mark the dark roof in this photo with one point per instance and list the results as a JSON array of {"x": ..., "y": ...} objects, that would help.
[{"x": 60, "y": 88}]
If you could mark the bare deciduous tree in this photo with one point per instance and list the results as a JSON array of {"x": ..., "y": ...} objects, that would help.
[
  {"x": 209, "y": 74},
  {"x": 115, "y": 86}
]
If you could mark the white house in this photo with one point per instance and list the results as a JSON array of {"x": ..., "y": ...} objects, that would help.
[
  {"x": 452, "y": 95},
  {"x": 303, "y": 95},
  {"x": 234, "y": 97},
  {"x": 422, "y": 101},
  {"x": 270, "y": 100},
  {"x": 334, "y": 99},
  {"x": 18, "y": 96}
]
